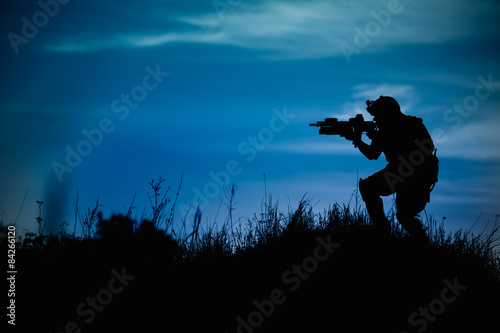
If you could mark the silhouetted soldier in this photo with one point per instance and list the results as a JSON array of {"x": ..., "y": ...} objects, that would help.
[{"x": 411, "y": 172}]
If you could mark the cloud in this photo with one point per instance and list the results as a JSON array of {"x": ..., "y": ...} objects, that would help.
[
  {"x": 475, "y": 139},
  {"x": 291, "y": 29},
  {"x": 373, "y": 91},
  {"x": 405, "y": 95},
  {"x": 314, "y": 148},
  {"x": 472, "y": 141}
]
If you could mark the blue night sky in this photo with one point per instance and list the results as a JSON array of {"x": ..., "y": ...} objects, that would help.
[{"x": 103, "y": 96}]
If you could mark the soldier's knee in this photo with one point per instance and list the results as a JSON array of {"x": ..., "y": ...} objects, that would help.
[
  {"x": 401, "y": 216},
  {"x": 407, "y": 218},
  {"x": 365, "y": 189},
  {"x": 361, "y": 186}
]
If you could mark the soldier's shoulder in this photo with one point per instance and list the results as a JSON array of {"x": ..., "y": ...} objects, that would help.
[
  {"x": 414, "y": 122},
  {"x": 413, "y": 119}
]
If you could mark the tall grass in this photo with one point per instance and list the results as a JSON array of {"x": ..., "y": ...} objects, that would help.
[
  {"x": 182, "y": 270},
  {"x": 229, "y": 238},
  {"x": 271, "y": 226},
  {"x": 484, "y": 248}
]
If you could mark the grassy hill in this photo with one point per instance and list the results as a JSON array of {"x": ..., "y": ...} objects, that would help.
[{"x": 296, "y": 272}]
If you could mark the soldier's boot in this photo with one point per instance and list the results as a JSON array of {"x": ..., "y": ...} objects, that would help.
[{"x": 414, "y": 228}]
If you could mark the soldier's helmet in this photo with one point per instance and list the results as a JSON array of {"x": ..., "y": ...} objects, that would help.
[{"x": 383, "y": 107}]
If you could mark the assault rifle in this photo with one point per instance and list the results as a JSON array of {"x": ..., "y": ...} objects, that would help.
[{"x": 332, "y": 126}]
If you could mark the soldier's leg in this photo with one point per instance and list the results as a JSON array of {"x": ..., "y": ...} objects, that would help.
[
  {"x": 371, "y": 189},
  {"x": 409, "y": 202}
]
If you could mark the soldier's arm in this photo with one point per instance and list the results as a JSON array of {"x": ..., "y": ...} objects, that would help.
[{"x": 372, "y": 151}]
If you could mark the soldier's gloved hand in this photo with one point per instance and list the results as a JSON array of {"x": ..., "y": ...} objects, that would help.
[
  {"x": 371, "y": 134},
  {"x": 355, "y": 137}
]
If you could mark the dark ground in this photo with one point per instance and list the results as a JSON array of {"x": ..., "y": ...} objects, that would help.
[{"x": 288, "y": 281}]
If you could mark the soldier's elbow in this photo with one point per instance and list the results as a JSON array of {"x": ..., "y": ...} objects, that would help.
[
  {"x": 369, "y": 156},
  {"x": 374, "y": 156}
]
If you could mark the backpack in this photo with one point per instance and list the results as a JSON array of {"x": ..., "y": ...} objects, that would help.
[{"x": 432, "y": 172}]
